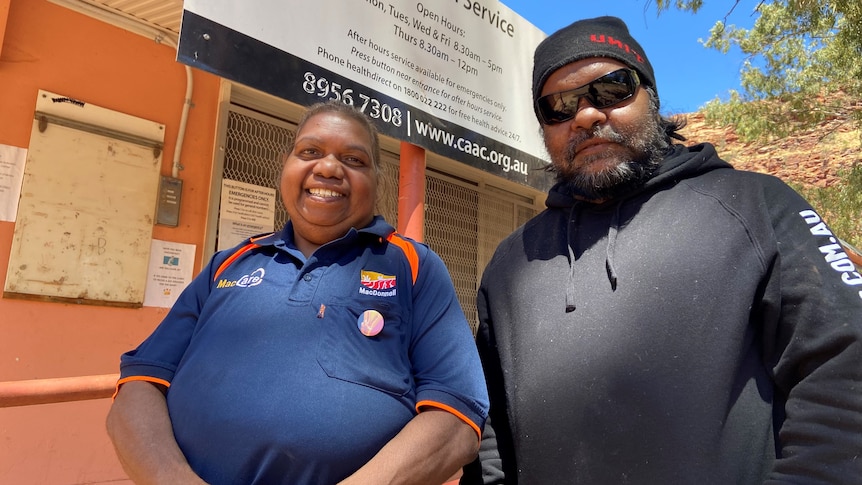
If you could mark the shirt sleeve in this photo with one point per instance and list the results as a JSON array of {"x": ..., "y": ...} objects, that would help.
[
  {"x": 157, "y": 357},
  {"x": 811, "y": 311},
  {"x": 446, "y": 367}
]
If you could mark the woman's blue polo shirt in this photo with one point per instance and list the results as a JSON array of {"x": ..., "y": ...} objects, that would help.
[{"x": 270, "y": 378}]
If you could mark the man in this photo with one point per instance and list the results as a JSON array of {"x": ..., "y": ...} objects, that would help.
[{"x": 667, "y": 319}]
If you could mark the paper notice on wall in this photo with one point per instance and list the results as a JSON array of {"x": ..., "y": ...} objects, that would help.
[
  {"x": 246, "y": 210},
  {"x": 170, "y": 271},
  {"x": 11, "y": 175}
]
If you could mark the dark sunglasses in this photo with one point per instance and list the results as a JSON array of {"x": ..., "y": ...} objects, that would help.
[{"x": 608, "y": 90}]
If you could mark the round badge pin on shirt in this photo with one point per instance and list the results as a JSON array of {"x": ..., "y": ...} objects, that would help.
[{"x": 370, "y": 323}]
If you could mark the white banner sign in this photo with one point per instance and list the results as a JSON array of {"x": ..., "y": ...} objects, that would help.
[{"x": 467, "y": 64}]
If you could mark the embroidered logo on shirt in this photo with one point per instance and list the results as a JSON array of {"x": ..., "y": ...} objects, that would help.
[
  {"x": 245, "y": 281},
  {"x": 376, "y": 284}
]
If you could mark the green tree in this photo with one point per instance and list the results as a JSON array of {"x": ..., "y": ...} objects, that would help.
[
  {"x": 840, "y": 204},
  {"x": 802, "y": 67}
]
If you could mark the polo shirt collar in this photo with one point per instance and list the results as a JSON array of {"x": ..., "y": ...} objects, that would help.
[{"x": 378, "y": 228}]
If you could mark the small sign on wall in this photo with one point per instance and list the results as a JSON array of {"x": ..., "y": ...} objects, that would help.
[
  {"x": 170, "y": 271},
  {"x": 246, "y": 210},
  {"x": 11, "y": 175}
]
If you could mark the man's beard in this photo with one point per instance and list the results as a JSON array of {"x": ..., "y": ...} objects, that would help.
[{"x": 647, "y": 145}]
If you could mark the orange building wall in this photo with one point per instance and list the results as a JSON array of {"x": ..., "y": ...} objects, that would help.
[{"x": 49, "y": 47}]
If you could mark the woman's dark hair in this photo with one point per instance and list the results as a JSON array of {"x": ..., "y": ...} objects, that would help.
[{"x": 333, "y": 106}]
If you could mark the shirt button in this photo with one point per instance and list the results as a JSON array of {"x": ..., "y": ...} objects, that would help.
[{"x": 307, "y": 277}]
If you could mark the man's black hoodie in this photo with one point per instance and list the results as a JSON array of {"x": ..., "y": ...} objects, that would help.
[{"x": 704, "y": 329}]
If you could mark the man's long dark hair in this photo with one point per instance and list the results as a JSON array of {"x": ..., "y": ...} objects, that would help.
[{"x": 670, "y": 125}]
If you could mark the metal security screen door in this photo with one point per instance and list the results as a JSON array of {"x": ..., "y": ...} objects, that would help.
[
  {"x": 464, "y": 223},
  {"x": 253, "y": 151}
]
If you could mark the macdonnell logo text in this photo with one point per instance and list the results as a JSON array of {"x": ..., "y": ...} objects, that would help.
[
  {"x": 366, "y": 291},
  {"x": 249, "y": 280}
]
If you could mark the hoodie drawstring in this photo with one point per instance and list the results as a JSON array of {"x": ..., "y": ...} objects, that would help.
[
  {"x": 612, "y": 242},
  {"x": 570, "y": 287},
  {"x": 613, "y": 229}
]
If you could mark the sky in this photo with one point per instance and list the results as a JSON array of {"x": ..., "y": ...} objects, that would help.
[{"x": 688, "y": 75}]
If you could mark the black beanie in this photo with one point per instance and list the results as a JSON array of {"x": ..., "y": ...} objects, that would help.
[{"x": 598, "y": 37}]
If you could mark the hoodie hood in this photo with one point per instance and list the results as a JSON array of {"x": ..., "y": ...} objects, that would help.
[{"x": 679, "y": 164}]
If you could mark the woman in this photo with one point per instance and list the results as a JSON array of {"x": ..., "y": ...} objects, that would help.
[{"x": 334, "y": 351}]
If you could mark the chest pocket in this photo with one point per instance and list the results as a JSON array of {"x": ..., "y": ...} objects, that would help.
[{"x": 380, "y": 362}]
